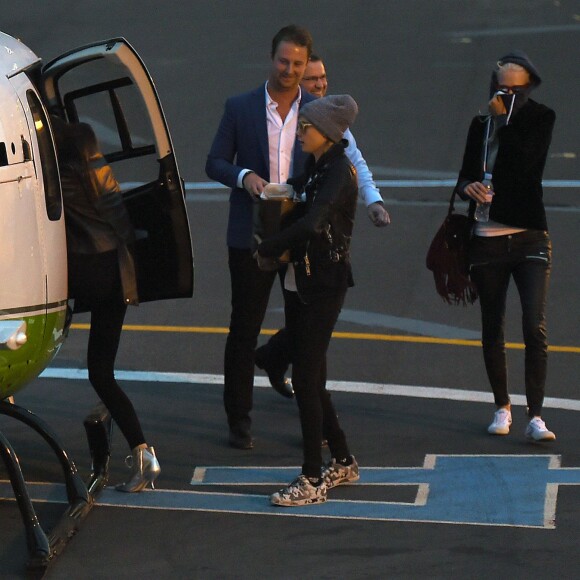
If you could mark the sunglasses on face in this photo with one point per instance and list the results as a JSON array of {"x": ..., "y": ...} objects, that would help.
[
  {"x": 303, "y": 125},
  {"x": 516, "y": 89}
]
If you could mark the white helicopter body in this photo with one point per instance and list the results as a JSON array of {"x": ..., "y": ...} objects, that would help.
[{"x": 33, "y": 289}]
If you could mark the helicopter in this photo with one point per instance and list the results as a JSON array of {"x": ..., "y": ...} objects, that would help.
[{"x": 106, "y": 85}]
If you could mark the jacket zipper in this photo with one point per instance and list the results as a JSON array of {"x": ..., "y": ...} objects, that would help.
[
  {"x": 307, "y": 264},
  {"x": 307, "y": 259}
]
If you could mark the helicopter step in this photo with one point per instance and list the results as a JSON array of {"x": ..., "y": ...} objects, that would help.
[{"x": 44, "y": 548}]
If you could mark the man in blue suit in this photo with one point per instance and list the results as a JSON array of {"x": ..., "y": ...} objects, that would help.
[{"x": 255, "y": 144}]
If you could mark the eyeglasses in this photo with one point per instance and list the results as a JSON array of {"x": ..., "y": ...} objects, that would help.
[
  {"x": 303, "y": 125},
  {"x": 515, "y": 89},
  {"x": 314, "y": 79}
]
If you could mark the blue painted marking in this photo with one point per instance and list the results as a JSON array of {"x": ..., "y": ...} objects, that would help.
[
  {"x": 489, "y": 490},
  {"x": 478, "y": 490}
]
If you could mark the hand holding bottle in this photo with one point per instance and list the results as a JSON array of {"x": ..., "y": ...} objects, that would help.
[{"x": 482, "y": 209}]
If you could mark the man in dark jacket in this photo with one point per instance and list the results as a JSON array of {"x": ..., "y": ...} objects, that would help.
[{"x": 255, "y": 144}]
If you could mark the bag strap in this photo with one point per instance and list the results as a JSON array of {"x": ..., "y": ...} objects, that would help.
[{"x": 451, "y": 203}]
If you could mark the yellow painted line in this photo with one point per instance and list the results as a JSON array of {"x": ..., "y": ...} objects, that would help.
[{"x": 346, "y": 335}]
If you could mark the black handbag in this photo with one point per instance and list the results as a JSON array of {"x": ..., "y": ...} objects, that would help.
[{"x": 448, "y": 258}]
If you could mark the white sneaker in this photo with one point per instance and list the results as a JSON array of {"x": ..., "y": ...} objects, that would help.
[
  {"x": 537, "y": 431},
  {"x": 502, "y": 419}
]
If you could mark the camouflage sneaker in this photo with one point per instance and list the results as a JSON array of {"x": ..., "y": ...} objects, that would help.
[
  {"x": 334, "y": 473},
  {"x": 300, "y": 492}
]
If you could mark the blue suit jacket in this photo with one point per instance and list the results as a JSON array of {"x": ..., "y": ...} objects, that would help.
[{"x": 241, "y": 142}]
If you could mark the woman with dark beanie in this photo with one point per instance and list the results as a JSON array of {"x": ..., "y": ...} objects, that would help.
[
  {"x": 318, "y": 234},
  {"x": 503, "y": 164}
]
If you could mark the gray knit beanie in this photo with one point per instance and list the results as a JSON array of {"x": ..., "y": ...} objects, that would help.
[{"x": 331, "y": 115}]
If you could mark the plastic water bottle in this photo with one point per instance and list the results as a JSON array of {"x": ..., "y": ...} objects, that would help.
[{"x": 482, "y": 209}]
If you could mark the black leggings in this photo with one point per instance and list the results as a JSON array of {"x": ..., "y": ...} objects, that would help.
[
  {"x": 95, "y": 282},
  {"x": 309, "y": 328},
  {"x": 527, "y": 257}
]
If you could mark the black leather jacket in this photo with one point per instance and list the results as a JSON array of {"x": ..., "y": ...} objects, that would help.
[
  {"x": 318, "y": 232},
  {"x": 96, "y": 218}
]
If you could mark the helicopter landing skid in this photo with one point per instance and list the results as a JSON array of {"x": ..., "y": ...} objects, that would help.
[{"x": 43, "y": 548}]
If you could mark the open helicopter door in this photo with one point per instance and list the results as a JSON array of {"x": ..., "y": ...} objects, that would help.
[{"x": 106, "y": 85}]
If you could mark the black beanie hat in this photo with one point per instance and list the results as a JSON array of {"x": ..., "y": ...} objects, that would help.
[
  {"x": 517, "y": 57},
  {"x": 521, "y": 58}
]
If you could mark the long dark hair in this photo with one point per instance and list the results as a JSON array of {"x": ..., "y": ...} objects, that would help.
[{"x": 76, "y": 143}]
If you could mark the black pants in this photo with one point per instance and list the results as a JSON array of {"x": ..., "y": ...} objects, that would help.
[
  {"x": 94, "y": 280},
  {"x": 275, "y": 354},
  {"x": 527, "y": 257},
  {"x": 250, "y": 294},
  {"x": 309, "y": 328}
]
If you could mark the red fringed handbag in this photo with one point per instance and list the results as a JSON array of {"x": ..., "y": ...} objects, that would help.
[{"x": 448, "y": 258}]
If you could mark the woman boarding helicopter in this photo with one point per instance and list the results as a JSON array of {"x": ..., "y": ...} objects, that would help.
[{"x": 101, "y": 277}]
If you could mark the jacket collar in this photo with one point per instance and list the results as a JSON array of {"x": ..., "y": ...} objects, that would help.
[{"x": 337, "y": 150}]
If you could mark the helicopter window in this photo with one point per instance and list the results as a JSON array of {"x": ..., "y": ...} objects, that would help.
[
  {"x": 3, "y": 154},
  {"x": 47, "y": 156},
  {"x": 116, "y": 112}
]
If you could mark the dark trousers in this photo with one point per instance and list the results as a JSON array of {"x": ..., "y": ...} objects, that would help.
[
  {"x": 527, "y": 257},
  {"x": 275, "y": 354},
  {"x": 94, "y": 280},
  {"x": 309, "y": 328},
  {"x": 250, "y": 294}
]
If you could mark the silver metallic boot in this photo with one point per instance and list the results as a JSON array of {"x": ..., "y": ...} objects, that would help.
[{"x": 145, "y": 469}]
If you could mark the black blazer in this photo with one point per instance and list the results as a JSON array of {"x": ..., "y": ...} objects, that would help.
[
  {"x": 319, "y": 231},
  {"x": 518, "y": 169}
]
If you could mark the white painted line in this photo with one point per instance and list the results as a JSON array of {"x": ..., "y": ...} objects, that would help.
[
  {"x": 198, "y": 475},
  {"x": 550, "y": 503},
  {"x": 339, "y": 386},
  {"x": 547, "y": 29},
  {"x": 388, "y": 183},
  {"x": 422, "y": 494}
]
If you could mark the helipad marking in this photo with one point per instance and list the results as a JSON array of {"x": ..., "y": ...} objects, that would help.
[
  {"x": 489, "y": 490},
  {"x": 482, "y": 490}
]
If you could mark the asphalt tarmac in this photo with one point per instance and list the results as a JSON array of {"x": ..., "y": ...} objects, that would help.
[{"x": 438, "y": 496}]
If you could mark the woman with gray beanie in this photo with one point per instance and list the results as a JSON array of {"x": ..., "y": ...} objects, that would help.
[{"x": 317, "y": 233}]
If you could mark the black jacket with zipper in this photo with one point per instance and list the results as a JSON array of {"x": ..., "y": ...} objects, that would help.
[
  {"x": 318, "y": 232},
  {"x": 518, "y": 169}
]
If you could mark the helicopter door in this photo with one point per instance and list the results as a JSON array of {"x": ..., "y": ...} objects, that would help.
[{"x": 107, "y": 86}]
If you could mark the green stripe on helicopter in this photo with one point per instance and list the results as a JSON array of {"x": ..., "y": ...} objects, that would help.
[{"x": 45, "y": 335}]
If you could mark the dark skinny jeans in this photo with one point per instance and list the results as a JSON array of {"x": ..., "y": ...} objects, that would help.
[
  {"x": 309, "y": 329},
  {"x": 94, "y": 280},
  {"x": 527, "y": 257}
]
